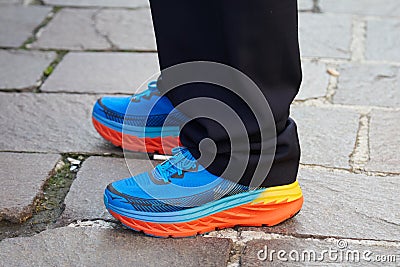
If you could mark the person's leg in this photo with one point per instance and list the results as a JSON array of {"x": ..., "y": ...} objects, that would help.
[
  {"x": 179, "y": 197},
  {"x": 259, "y": 38}
]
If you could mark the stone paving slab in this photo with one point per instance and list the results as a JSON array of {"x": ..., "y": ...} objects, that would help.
[
  {"x": 105, "y": 247},
  {"x": 72, "y": 29},
  {"x": 327, "y": 135},
  {"x": 127, "y": 29},
  {"x": 369, "y": 7},
  {"x": 368, "y": 85},
  {"x": 355, "y": 253},
  {"x": 22, "y": 177},
  {"x": 49, "y": 123},
  {"x": 99, "y": 3},
  {"x": 85, "y": 198},
  {"x": 345, "y": 205},
  {"x": 383, "y": 40},
  {"x": 17, "y": 23},
  {"x": 384, "y": 141},
  {"x": 102, "y": 72},
  {"x": 325, "y": 35},
  {"x": 315, "y": 80},
  {"x": 21, "y": 69},
  {"x": 79, "y": 29}
]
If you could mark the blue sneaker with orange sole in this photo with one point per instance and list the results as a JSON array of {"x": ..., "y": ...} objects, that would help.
[
  {"x": 139, "y": 122},
  {"x": 180, "y": 198}
]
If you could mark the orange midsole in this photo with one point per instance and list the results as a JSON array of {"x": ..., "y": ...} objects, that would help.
[
  {"x": 148, "y": 145},
  {"x": 245, "y": 215}
]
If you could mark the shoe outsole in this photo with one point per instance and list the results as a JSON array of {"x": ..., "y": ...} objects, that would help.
[
  {"x": 156, "y": 145},
  {"x": 260, "y": 214}
]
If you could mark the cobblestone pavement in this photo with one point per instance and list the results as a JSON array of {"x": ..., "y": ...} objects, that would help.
[{"x": 58, "y": 56}]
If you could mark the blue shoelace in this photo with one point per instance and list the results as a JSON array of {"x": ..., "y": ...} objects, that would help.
[
  {"x": 181, "y": 161},
  {"x": 151, "y": 89}
]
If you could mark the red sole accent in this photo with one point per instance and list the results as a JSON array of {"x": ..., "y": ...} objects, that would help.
[
  {"x": 147, "y": 145},
  {"x": 261, "y": 214}
]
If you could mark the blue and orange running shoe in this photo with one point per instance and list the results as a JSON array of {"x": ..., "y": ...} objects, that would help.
[
  {"x": 180, "y": 198},
  {"x": 138, "y": 122}
]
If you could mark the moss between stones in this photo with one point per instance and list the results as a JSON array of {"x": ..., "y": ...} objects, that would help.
[{"x": 49, "y": 207}]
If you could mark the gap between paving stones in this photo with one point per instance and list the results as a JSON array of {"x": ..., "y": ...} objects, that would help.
[
  {"x": 361, "y": 152},
  {"x": 316, "y": 8},
  {"x": 37, "y": 30},
  {"x": 50, "y": 205},
  {"x": 49, "y": 70}
]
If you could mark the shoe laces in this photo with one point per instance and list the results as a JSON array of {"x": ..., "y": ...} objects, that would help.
[
  {"x": 180, "y": 162},
  {"x": 151, "y": 90}
]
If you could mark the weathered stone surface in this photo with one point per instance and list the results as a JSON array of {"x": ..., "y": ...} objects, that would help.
[
  {"x": 325, "y": 35},
  {"x": 72, "y": 29},
  {"x": 369, "y": 7},
  {"x": 369, "y": 85},
  {"x": 127, "y": 29},
  {"x": 99, "y": 3},
  {"x": 17, "y": 23},
  {"x": 94, "y": 247},
  {"x": 22, "y": 177},
  {"x": 85, "y": 198},
  {"x": 49, "y": 123},
  {"x": 355, "y": 253},
  {"x": 21, "y": 69},
  {"x": 102, "y": 72},
  {"x": 315, "y": 80},
  {"x": 380, "y": 44},
  {"x": 346, "y": 205},
  {"x": 78, "y": 29},
  {"x": 305, "y": 4},
  {"x": 327, "y": 135},
  {"x": 384, "y": 141}
]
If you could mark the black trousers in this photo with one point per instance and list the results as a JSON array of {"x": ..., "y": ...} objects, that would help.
[{"x": 257, "y": 37}]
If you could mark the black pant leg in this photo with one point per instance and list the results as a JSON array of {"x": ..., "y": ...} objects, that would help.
[{"x": 257, "y": 37}]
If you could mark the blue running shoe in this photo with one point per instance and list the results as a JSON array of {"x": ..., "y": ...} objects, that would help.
[
  {"x": 138, "y": 123},
  {"x": 180, "y": 198}
]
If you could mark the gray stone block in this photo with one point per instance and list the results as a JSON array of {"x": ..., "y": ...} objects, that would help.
[
  {"x": 102, "y": 72},
  {"x": 325, "y": 35},
  {"x": 384, "y": 141},
  {"x": 22, "y": 70},
  {"x": 103, "y": 29},
  {"x": 22, "y": 179},
  {"x": 368, "y": 85},
  {"x": 85, "y": 198},
  {"x": 345, "y": 205},
  {"x": 99, "y": 3},
  {"x": 72, "y": 29},
  {"x": 127, "y": 29},
  {"x": 365, "y": 7},
  {"x": 327, "y": 135},
  {"x": 49, "y": 123},
  {"x": 94, "y": 247},
  {"x": 17, "y": 23},
  {"x": 315, "y": 80},
  {"x": 383, "y": 40}
]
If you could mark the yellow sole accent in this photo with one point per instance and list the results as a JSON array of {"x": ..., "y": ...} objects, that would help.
[{"x": 278, "y": 194}]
